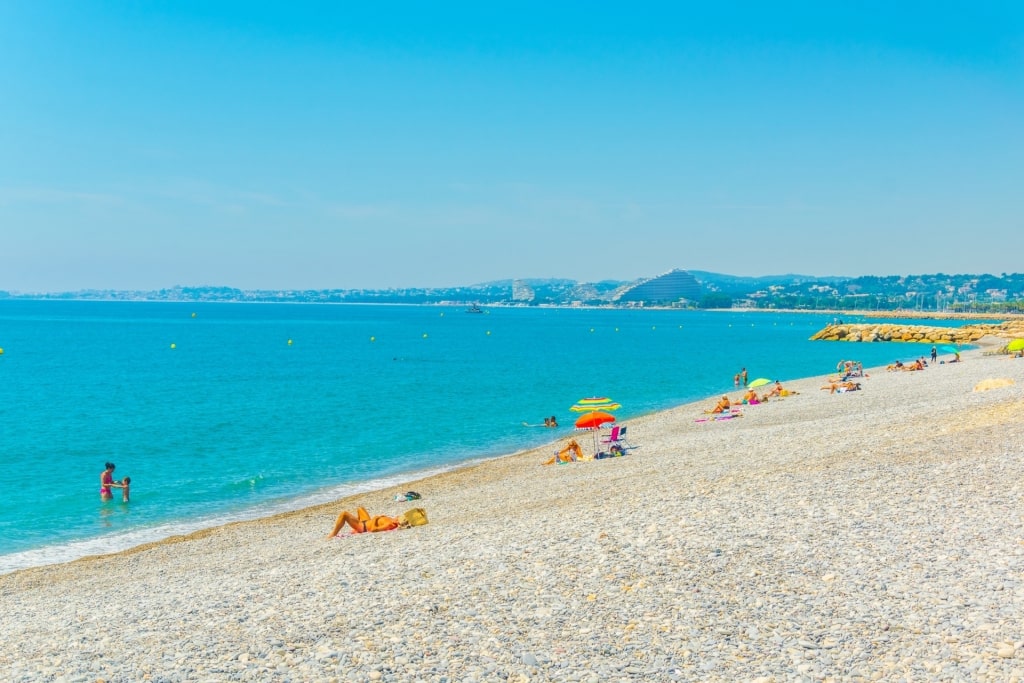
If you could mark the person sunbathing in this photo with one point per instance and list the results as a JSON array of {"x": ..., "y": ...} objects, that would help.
[
  {"x": 842, "y": 387},
  {"x": 361, "y": 522},
  {"x": 750, "y": 398},
  {"x": 775, "y": 390},
  {"x": 721, "y": 407},
  {"x": 571, "y": 453}
]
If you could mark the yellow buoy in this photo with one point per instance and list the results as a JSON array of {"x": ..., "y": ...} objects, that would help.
[
  {"x": 173, "y": 345},
  {"x": 193, "y": 315},
  {"x": 442, "y": 314},
  {"x": 289, "y": 342},
  {"x": 653, "y": 327},
  {"x": 591, "y": 329},
  {"x": 616, "y": 329},
  {"x": 373, "y": 339},
  {"x": 488, "y": 333},
  {"x": 424, "y": 335},
  {"x": 1, "y": 352}
]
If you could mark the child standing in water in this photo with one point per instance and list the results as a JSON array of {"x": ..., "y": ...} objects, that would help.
[{"x": 124, "y": 486}]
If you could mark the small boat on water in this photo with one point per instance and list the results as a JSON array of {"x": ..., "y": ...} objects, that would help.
[{"x": 474, "y": 309}]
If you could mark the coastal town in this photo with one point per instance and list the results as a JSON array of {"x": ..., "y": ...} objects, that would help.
[{"x": 937, "y": 294}]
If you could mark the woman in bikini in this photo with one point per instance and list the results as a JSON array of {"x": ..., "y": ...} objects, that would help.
[
  {"x": 362, "y": 522},
  {"x": 721, "y": 407},
  {"x": 107, "y": 482}
]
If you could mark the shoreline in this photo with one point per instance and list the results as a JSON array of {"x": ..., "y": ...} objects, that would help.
[
  {"x": 420, "y": 478},
  {"x": 856, "y": 536},
  {"x": 359, "y": 498},
  {"x": 409, "y": 481}
]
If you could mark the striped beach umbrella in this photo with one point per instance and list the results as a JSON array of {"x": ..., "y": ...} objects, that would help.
[{"x": 585, "y": 405}]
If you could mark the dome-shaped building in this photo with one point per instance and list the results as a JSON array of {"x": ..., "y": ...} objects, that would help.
[{"x": 665, "y": 289}]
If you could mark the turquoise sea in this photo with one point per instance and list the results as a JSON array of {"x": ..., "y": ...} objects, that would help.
[{"x": 220, "y": 412}]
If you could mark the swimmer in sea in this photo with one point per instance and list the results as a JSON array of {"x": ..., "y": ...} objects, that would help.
[
  {"x": 124, "y": 485},
  {"x": 106, "y": 482}
]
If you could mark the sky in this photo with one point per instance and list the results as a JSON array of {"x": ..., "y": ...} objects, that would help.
[{"x": 324, "y": 145}]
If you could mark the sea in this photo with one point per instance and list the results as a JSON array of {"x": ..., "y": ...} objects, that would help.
[{"x": 222, "y": 412}]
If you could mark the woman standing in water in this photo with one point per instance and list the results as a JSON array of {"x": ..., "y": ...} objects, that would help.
[{"x": 106, "y": 482}]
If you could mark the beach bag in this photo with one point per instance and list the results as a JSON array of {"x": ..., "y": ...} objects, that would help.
[{"x": 414, "y": 517}]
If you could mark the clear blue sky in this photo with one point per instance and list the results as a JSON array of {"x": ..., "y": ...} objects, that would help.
[{"x": 343, "y": 144}]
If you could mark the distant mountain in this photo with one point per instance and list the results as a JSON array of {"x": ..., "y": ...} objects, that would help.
[
  {"x": 938, "y": 291},
  {"x": 740, "y": 286},
  {"x": 533, "y": 282}
]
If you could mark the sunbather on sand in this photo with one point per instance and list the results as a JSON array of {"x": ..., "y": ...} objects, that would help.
[
  {"x": 720, "y": 407},
  {"x": 361, "y": 522},
  {"x": 778, "y": 390},
  {"x": 571, "y": 453},
  {"x": 751, "y": 398},
  {"x": 842, "y": 387}
]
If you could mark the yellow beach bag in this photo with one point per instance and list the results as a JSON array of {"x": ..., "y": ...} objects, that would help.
[{"x": 414, "y": 517}]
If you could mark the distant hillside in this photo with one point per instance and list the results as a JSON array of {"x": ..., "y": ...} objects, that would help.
[
  {"x": 938, "y": 292},
  {"x": 742, "y": 285}
]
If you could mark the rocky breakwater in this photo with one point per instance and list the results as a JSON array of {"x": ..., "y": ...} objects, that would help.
[{"x": 925, "y": 334}]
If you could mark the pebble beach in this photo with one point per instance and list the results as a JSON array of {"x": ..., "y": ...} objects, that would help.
[{"x": 873, "y": 535}]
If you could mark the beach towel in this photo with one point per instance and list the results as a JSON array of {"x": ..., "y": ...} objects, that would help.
[{"x": 718, "y": 418}]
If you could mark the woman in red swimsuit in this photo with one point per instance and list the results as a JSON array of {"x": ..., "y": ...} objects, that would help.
[{"x": 106, "y": 482}]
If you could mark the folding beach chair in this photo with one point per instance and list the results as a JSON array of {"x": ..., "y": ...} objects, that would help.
[
  {"x": 613, "y": 436},
  {"x": 617, "y": 436}
]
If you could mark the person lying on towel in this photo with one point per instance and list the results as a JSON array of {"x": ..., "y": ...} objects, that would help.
[{"x": 362, "y": 522}]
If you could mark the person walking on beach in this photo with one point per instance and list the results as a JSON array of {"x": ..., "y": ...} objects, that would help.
[
  {"x": 935, "y": 354},
  {"x": 106, "y": 482}
]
